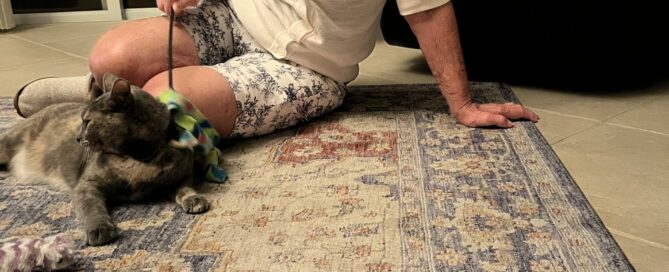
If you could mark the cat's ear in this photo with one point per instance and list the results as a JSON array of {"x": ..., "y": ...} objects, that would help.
[
  {"x": 120, "y": 91},
  {"x": 120, "y": 95},
  {"x": 94, "y": 91}
]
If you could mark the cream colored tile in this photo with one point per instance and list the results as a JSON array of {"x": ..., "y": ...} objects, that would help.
[
  {"x": 14, "y": 78},
  {"x": 15, "y": 52},
  {"x": 596, "y": 105},
  {"x": 367, "y": 79},
  {"x": 624, "y": 174},
  {"x": 63, "y": 31},
  {"x": 397, "y": 64},
  {"x": 644, "y": 257},
  {"x": 556, "y": 127},
  {"x": 653, "y": 115},
  {"x": 80, "y": 46}
]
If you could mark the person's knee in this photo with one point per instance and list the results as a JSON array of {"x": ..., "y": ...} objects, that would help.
[
  {"x": 134, "y": 51},
  {"x": 112, "y": 54}
]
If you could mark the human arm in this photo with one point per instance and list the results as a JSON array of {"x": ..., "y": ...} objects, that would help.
[{"x": 437, "y": 34}]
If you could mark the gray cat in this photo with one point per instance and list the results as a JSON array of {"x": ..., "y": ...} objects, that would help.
[{"x": 114, "y": 149}]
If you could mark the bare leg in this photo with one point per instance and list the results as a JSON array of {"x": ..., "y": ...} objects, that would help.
[
  {"x": 208, "y": 90},
  {"x": 137, "y": 50}
]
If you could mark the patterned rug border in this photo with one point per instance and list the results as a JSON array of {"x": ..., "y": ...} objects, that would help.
[
  {"x": 552, "y": 157},
  {"x": 568, "y": 179}
]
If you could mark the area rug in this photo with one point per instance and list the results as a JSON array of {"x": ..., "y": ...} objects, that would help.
[{"x": 388, "y": 182}]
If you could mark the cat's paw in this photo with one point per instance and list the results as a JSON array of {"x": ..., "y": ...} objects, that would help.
[
  {"x": 101, "y": 233},
  {"x": 195, "y": 204}
]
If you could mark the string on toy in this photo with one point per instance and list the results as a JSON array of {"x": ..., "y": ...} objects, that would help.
[{"x": 169, "y": 50}]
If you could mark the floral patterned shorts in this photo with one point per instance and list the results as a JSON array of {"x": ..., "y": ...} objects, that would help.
[{"x": 271, "y": 93}]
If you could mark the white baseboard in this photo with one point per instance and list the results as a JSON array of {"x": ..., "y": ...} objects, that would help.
[{"x": 141, "y": 13}]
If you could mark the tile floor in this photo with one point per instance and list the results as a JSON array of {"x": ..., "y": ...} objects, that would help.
[{"x": 616, "y": 146}]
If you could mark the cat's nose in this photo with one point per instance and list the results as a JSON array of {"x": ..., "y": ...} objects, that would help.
[{"x": 78, "y": 139}]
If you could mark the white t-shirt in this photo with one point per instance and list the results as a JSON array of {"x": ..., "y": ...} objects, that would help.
[{"x": 329, "y": 36}]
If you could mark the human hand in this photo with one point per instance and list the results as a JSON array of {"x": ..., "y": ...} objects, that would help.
[
  {"x": 177, "y": 5},
  {"x": 481, "y": 115}
]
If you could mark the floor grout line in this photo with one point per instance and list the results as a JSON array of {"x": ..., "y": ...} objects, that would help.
[
  {"x": 639, "y": 129},
  {"x": 565, "y": 114},
  {"x": 650, "y": 99},
  {"x": 575, "y": 133},
  {"x": 605, "y": 121},
  {"x": 597, "y": 123},
  {"x": 18, "y": 66},
  {"x": 630, "y": 108},
  {"x": 638, "y": 239},
  {"x": 49, "y": 47}
]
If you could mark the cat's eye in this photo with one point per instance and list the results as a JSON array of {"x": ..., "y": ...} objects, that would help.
[{"x": 85, "y": 122}]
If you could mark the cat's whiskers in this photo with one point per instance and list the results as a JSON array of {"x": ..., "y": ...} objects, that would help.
[{"x": 87, "y": 152}]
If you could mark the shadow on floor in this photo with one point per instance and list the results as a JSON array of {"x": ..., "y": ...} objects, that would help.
[{"x": 610, "y": 82}]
